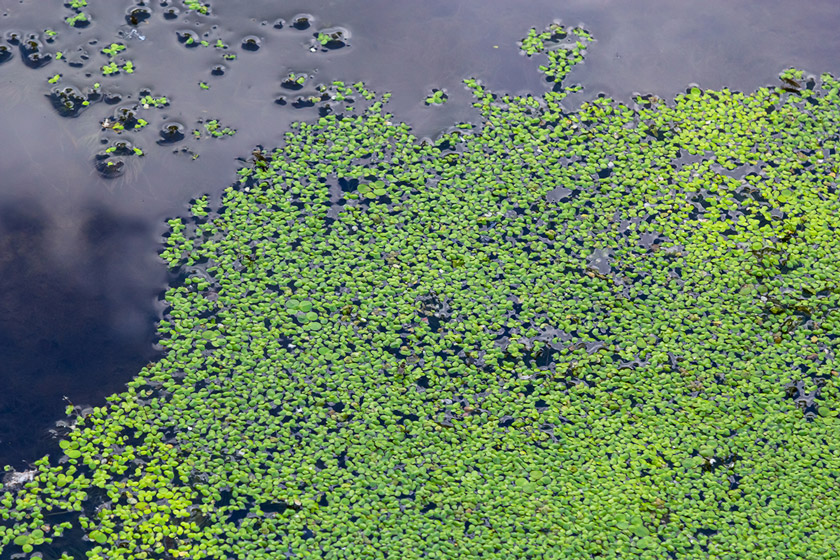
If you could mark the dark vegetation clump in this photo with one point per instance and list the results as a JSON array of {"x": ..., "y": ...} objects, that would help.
[{"x": 607, "y": 333}]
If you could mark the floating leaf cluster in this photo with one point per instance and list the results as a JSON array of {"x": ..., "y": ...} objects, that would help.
[
  {"x": 294, "y": 81},
  {"x": 198, "y": 7},
  {"x": 78, "y": 18},
  {"x": 437, "y": 97},
  {"x": 330, "y": 38},
  {"x": 607, "y": 333},
  {"x": 113, "y": 62},
  {"x": 215, "y": 129}
]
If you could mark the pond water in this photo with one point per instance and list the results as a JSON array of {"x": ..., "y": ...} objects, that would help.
[{"x": 80, "y": 279}]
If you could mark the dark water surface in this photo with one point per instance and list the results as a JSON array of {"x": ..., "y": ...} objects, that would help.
[{"x": 79, "y": 275}]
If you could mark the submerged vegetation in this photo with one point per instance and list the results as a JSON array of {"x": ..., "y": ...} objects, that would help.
[{"x": 603, "y": 333}]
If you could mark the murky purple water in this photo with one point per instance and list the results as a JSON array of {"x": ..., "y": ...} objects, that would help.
[{"x": 79, "y": 275}]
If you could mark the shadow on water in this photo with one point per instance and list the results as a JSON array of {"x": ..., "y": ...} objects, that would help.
[{"x": 79, "y": 273}]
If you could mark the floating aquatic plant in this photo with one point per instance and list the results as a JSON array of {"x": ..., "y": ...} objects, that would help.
[
  {"x": 294, "y": 81},
  {"x": 147, "y": 100},
  {"x": 438, "y": 97},
  {"x": 551, "y": 334},
  {"x": 71, "y": 101},
  {"x": 198, "y": 7},
  {"x": 78, "y": 19},
  {"x": 330, "y": 38}
]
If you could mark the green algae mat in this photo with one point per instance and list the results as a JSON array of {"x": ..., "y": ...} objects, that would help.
[{"x": 601, "y": 333}]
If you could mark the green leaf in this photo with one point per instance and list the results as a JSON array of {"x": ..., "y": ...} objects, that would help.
[{"x": 98, "y": 536}]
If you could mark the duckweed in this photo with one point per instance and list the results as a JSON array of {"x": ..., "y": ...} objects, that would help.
[
  {"x": 294, "y": 81},
  {"x": 198, "y": 7},
  {"x": 437, "y": 97},
  {"x": 604, "y": 333},
  {"x": 215, "y": 129},
  {"x": 113, "y": 59},
  {"x": 79, "y": 19},
  {"x": 331, "y": 38}
]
